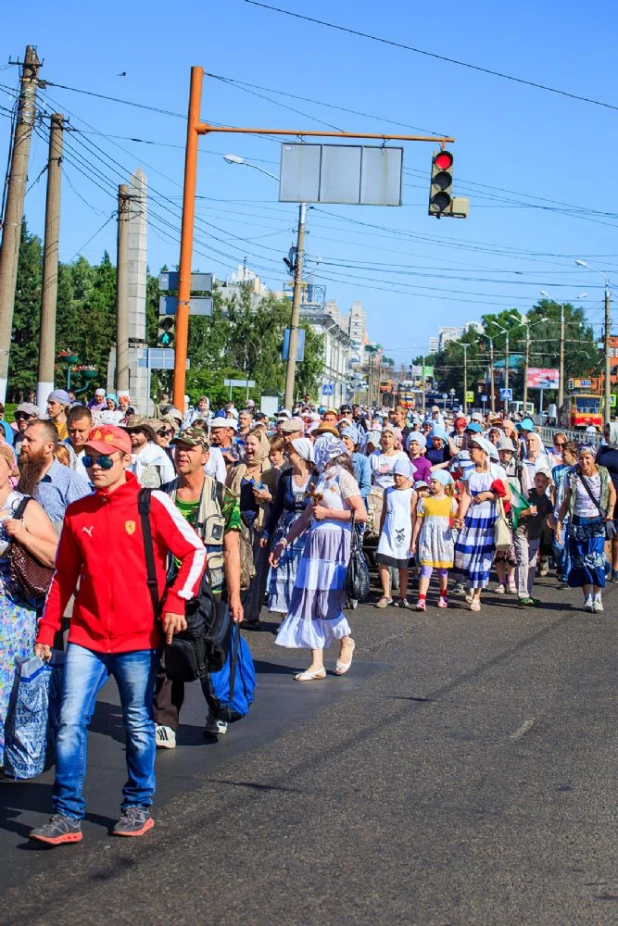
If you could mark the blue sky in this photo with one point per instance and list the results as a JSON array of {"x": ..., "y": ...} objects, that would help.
[{"x": 411, "y": 272}]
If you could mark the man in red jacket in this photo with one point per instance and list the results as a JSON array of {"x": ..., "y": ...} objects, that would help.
[{"x": 113, "y": 628}]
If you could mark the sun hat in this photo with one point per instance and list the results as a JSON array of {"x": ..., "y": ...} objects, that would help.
[
  {"x": 223, "y": 423},
  {"x": 475, "y": 427},
  {"x": 402, "y": 467},
  {"x": 505, "y": 443},
  {"x": 140, "y": 423}
]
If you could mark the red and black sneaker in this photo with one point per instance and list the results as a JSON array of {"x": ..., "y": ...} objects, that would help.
[
  {"x": 135, "y": 821},
  {"x": 58, "y": 830}
]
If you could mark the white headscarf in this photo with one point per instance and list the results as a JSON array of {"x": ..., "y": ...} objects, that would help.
[
  {"x": 304, "y": 448},
  {"x": 326, "y": 448}
]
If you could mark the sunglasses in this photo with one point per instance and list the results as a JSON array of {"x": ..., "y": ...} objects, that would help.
[
  {"x": 104, "y": 462},
  {"x": 22, "y": 416},
  {"x": 559, "y": 443},
  {"x": 165, "y": 432}
]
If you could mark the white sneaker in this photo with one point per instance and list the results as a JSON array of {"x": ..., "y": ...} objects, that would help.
[
  {"x": 215, "y": 727},
  {"x": 165, "y": 738},
  {"x": 588, "y": 604},
  {"x": 597, "y": 606}
]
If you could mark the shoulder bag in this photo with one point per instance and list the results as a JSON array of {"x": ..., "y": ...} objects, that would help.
[
  {"x": 357, "y": 574},
  {"x": 503, "y": 538},
  {"x": 610, "y": 527},
  {"x": 30, "y": 579}
]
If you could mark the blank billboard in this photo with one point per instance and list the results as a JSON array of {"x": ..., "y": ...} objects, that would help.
[{"x": 356, "y": 175}]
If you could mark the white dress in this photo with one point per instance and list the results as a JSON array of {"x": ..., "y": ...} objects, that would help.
[{"x": 396, "y": 537}]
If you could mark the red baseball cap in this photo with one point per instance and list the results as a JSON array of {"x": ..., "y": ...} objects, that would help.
[{"x": 106, "y": 438}]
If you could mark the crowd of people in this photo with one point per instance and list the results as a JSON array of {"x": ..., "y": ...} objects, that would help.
[{"x": 267, "y": 507}]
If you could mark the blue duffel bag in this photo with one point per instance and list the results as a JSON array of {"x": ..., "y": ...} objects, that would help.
[
  {"x": 230, "y": 691},
  {"x": 33, "y": 717}
]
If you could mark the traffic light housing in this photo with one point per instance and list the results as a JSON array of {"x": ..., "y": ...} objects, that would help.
[
  {"x": 440, "y": 193},
  {"x": 166, "y": 332}
]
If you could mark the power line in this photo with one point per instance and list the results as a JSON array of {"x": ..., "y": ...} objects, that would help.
[
  {"x": 112, "y": 99},
  {"x": 431, "y": 54}
]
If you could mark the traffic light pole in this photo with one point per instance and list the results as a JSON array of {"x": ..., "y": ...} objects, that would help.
[
  {"x": 465, "y": 401},
  {"x": 608, "y": 367},
  {"x": 561, "y": 371},
  {"x": 195, "y": 128}
]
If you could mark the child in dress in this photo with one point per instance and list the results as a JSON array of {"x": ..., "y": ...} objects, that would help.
[
  {"x": 396, "y": 527},
  {"x": 432, "y": 540}
]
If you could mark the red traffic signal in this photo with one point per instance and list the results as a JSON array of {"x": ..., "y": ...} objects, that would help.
[{"x": 440, "y": 197}]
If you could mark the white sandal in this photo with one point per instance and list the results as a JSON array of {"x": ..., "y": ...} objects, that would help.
[
  {"x": 342, "y": 667},
  {"x": 307, "y": 676}
]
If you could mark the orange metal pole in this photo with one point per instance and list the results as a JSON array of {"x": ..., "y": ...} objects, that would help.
[
  {"x": 204, "y": 128},
  {"x": 186, "y": 238}
]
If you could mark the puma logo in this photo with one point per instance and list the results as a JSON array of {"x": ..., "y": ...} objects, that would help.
[{"x": 88, "y": 530}]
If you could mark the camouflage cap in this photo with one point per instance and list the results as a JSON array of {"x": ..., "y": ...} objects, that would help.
[{"x": 193, "y": 437}]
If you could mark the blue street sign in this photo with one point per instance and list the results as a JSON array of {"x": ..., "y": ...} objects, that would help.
[
  {"x": 506, "y": 395},
  {"x": 328, "y": 389}
]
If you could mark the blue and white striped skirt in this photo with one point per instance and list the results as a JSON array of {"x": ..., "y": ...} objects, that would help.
[{"x": 474, "y": 547}]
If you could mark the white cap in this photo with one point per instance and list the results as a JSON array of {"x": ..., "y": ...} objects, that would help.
[{"x": 223, "y": 423}]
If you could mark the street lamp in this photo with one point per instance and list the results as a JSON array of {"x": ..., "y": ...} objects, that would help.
[
  {"x": 491, "y": 369},
  {"x": 606, "y": 340},
  {"x": 290, "y": 373}
]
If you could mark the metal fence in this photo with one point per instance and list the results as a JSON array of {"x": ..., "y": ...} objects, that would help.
[{"x": 547, "y": 436}]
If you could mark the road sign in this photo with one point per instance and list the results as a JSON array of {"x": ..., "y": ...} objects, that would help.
[
  {"x": 612, "y": 401},
  {"x": 160, "y": 358},
  {"x": 244, "y": 383},
  {"x": 300, "y": 346},
  {"x": 199, "y": 305},
  {"x": 328, "y": 389},
  {"x": 506, "y": 395},
  {"x": 483, "y": 398},
  {"x": 469, "y": 396},
  {"x": 200, "y": 282}
]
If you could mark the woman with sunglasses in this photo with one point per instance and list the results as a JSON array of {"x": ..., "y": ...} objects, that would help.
[
  {"x": 24, "y": 414},
  {"x": 483, "y": 484},
  {"x": 165, "y": 433},
  {"x": 607, "y": 456}
]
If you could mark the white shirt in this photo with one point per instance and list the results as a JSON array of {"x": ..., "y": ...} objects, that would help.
[
  {"x": 152, "y": 456},
  {"x": 216, "y": 465}
]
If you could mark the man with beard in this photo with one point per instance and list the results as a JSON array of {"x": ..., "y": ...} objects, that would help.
[{"x": 41, "y": 475}]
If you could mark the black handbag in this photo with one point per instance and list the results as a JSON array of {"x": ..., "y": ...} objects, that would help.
[
  {"x": 357, "y": 584},
  {"x": 203, "y": 647}
]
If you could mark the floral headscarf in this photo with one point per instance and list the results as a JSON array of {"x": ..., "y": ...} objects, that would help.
[{"x": 327, "y": 448}]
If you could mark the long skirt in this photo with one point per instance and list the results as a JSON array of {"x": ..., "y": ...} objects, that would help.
[
  {"x": 18, "y": 625},
  {"x": 253, "y": 597},
  {"x": 587, "y": 552},
  {"x": 281, "y": 581},
  {"x": 474, "y": 547},
  {"x": 316, "y": 615}
]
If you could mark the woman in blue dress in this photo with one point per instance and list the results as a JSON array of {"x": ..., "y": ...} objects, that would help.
[
  {"x": 18, "y": 617},
  {"x": 293, "y": 496},
  {"x": 316, "y": 615}
]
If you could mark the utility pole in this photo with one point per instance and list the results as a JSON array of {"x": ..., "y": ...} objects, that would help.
[
  {"x": 47, "y": 349},
  {"x": 423, "y": 384},
  {"x": 608, "y": 367},
  {"x": 16, "y": 194},
  {"x": 122, "y": 290},
  {"x": 506, "y": 373},
  {"x": 290, "y": 373},
  {"x": 526, "y": 365},
  {"x": 492, "y": 375},
  {"x": 561, "y": 372},
  {"x": 465, "y": 403}
]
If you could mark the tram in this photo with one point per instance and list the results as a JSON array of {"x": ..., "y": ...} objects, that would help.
[{"x": 580, "y": 410}]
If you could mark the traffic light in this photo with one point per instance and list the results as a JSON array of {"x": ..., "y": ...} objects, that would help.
[
  {"x": 166, "y": 332},
  {"x": 440, "y": 197}
]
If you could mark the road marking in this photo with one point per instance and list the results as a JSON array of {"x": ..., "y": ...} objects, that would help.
[{"x": 521, "y": 731}]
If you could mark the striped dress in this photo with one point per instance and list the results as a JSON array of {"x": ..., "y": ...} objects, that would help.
[
  {"x": 474, "y": 547},
  {"x": 316, "y": 615}
]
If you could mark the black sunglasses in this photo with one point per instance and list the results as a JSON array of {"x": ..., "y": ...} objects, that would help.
[
  {"x": 165, "y": 432},
  {"x": 22, "y": 416}
]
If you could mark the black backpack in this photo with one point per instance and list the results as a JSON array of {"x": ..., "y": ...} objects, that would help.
[{"x": 204, "y": 645}]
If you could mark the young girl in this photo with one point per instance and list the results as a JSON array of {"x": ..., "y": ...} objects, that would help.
[
  {"x": 396, "y": 527},
  {"x": 433, "y": 534}
]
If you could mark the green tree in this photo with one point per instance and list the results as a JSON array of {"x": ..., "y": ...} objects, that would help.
[{"x": 23, "y": 357}]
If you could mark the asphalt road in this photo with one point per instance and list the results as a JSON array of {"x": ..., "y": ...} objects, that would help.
[{"x": 463, "y": 772}]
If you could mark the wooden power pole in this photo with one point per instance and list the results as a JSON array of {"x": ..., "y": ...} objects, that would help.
[
  {"x": 47, "y": 349},
  {"x": 122, "y": 291},
  {"x": 16, "y": 194}
]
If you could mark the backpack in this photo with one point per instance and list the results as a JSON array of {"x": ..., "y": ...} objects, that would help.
[
  {"x": 230, "y": 691},
  {"x": 204, "y": 645}
]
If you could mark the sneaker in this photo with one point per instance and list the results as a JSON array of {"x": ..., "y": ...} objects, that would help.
[
  {"x": 459, "y": 589},
  {"x": 57, "y": 830},
  {"x": 588, "y": 605},
  {"x": 500, "y": 589},
  {"x": 401, "y": 603},
  {"x": 597, "y": 606},
  {"x": 384, "y": 602},
  {"x": 615, "y": 575},
  {"x": 527, "y": 602},
  {"x": 564, "y": 585},
  {"x": 214, "y": 727},
  {"x": 165, "y": 738},
  {"x": 442, "y": 602},
  {"x": 135, "y": 821},
  {"x": 420, "y": 605}
]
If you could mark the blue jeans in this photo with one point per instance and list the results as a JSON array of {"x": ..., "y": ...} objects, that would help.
[{"x": 84, "y": 673}]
